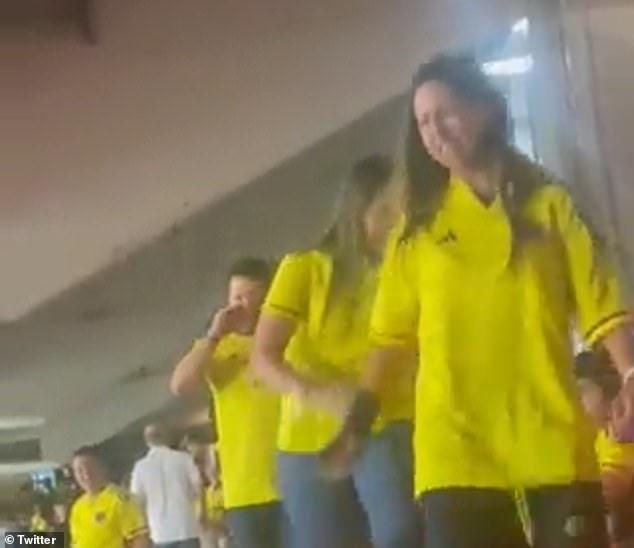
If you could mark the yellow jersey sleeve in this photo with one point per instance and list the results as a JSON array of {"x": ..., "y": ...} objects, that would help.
[
  {"x": 289, "y": 293},
  {"x": 613, "y": 454},
  {"x": 595, "y": 286},
  {"x": 131, "y": 518},
  {"x": 394, "y": 319}
]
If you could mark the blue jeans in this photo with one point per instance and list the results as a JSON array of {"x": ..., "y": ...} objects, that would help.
[
  {"x": 189, "y": 543},
  {"x": 257, "y": 526},
  {"x": 488, "y": 518},
  {"x": 323, "y": 514}
]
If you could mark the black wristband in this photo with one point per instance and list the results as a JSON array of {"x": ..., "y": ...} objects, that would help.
[{"x": 364, "y": 409}]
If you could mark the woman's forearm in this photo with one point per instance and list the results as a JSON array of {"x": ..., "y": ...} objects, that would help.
[
  {"x": 272, "y": 336},
  {"x": 277, "y": 374},
  {"x": 190, "y": 370}
]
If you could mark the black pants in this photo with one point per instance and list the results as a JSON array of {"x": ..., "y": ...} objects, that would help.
[
  {"x": 258, "y": 526},
  {"x": 570, "y": 516}
]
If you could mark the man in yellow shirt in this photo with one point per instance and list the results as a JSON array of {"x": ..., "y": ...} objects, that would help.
[
  {"x": 246, "y": 413},
  {"x": 104, "y": 516}
]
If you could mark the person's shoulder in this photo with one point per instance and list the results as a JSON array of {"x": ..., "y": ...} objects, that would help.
[
  {"x": 169, "y": 454},
  {"x": 305, "y": 256},
  {"x": 544, "y": 197},
  {"x": 182, "y": 457},
  {"x": 233, "y": 345},
  {"x": 116, "y": 491},
  {"x": 553, "y": 193},
  {"x": 304, "y": 262},
  {"x": 78, "y": 504},
  {"x": 141, "y": 462},
  {"x": 537, "y": 184},
  {"x": 118, "y": 494},
  {"x": 140, "y": 465},
  {"x": 555, "y": 207}
]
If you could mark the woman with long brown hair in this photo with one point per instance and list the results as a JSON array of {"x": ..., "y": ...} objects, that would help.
[
  {"x": 485, "y": 276},
  {"x": 310, "y": 342}
]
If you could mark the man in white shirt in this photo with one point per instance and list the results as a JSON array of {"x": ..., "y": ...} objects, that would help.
[{"x": 167, "y": 484}]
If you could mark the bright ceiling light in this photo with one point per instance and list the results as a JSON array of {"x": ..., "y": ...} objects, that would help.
[
  {"x": 509, "y": 67},
  {"x": 24, "y": 468},
  {"x": 521, "y": 27}
]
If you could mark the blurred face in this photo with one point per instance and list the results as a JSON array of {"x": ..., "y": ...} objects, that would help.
[
  {"x": 594, "y": 401},
  {"x": 89, "y": 473},
  {"x": 248, "y": 295},
  {"x": 450, "y": 127},
  {"x": 379, "y": 218}
]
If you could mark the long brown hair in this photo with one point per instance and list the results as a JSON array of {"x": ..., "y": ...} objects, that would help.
[
  {"x": 427, "y": 180},
  {"x": 345, "y": 239}
]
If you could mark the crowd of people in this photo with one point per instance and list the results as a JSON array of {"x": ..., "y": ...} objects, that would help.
[
  {"x": 173, "y": 494},
  {"x": 409, "y": 379}
]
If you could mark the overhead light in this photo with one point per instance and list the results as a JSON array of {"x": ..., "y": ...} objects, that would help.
[
  {"x": 509, "y": 67},
  {"x": 521, "y": 27},
  {"x": 15, "y": 423},
  {"x": 22, "y": 468}
]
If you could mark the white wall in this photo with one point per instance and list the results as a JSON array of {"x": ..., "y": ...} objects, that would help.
[
  {"x": 103, "y": 148},
  {"x": 582, "y": 86},
  {"x": 612, "y": 33}
]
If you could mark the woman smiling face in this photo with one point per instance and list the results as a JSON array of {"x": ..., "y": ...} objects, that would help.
[{"x": 452, "y": 128}]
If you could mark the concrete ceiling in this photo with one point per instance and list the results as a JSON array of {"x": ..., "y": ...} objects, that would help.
[{"x": 612, "y": 47}]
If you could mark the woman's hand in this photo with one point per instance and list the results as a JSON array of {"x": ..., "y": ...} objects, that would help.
[
  {"x": 336, "y": 458},
  {"x": 225, "y": 321}
]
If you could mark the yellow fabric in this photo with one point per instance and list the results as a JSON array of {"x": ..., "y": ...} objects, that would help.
[
  {"x": 247, "y": 416},
  {"x": 612, "y": 454},
  {"x": 38, "y": 524},
  {"x": 214, "y": 503},
  {"x": 329, "y": 344},
  {"x": 107, "y": 520},
  {"x": 495, "y": 396}
]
